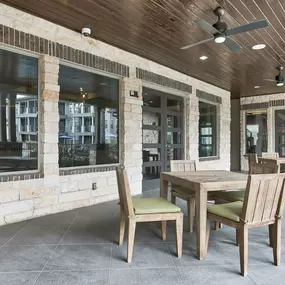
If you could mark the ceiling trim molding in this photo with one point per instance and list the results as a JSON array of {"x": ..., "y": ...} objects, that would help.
[
  {"x": 19, "y": 39},
  {"x": 208, "y": 97},
  {"x": 162, "y": 80}
]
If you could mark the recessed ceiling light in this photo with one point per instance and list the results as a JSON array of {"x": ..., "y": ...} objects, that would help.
[
  {"x": 259, "y": 46},
  {"x": 203, "y": 57},
  {"x": 257, "y": 86}
]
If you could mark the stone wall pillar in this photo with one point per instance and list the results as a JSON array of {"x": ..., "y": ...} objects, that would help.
[
  {"x": 270, "y": 130},
  {"x": 49, "y": 118},
  {"x": 131, "y": 131},
  {"x": 191, "y": 125}
]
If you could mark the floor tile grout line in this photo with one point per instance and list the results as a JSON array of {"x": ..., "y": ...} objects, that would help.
[
  {"x": 16, "y": 234},
  {"x": 252, "y": 280},
  {"x": 55, "y": 248},
  {"x": 175, "y": 266}
]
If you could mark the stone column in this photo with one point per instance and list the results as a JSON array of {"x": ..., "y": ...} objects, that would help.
[
  {"x": 191, "y": 125},
  {"x": 131, "y": 131},
  {"x": 270, "y": 130},
  {"x": 3, "y": 133},
  {"x": 49, "y": 118}
]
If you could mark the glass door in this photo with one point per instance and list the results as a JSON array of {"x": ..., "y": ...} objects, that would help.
[{"x": 162, "y": 134}]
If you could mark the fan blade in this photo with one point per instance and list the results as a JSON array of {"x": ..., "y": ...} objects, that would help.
[
  {"x": 232, "y": 45},
  {"x": 206, "y": 26},
  {"x": 247, "y": 27},
  {"x": 272, "y": 80},
  {"x": 197, "y": 43}
]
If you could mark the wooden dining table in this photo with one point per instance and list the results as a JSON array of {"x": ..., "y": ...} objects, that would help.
[{"x": 202, "y": 182}]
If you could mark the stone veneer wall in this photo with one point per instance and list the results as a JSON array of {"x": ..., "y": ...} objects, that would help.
[
  {"x": 55, "y": 190},
  {"x": 268, "y": 102}
]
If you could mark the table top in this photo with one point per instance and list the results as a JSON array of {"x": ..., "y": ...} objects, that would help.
[{"x": 211, "y": 180}]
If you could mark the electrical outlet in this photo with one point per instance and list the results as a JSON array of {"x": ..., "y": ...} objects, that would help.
[{"x": 94, "y": 186}]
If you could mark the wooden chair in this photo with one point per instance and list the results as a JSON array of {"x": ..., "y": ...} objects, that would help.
[
  {"x": 238, "y": 195},
  {"x": 263, "y": 205},
  {"x": 270, "y": 155},
  {"x": 145, "y": 210},
  {"x": 183, "y": 193},
  {"x": 252, "y": 158}
]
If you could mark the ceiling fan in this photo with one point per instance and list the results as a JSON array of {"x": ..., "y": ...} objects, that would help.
[
  {"x": 221, "y": 32},
  {"x": 279, "y": 78}
]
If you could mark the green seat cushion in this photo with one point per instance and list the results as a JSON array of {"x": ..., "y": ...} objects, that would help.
[
  {"x": 183, "y": 191},
  {"x": 231, "y": 196},
  {"x": 153, "y": 206},
  {"x": 231, "y": 211}
]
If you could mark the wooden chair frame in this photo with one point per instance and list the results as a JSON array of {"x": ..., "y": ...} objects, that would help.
[
  {"x": 263, "y": 205},
  {"x": 127, "y": 212},
  {"x": 270, "y": 155},
  {"x": 186, "y": 165}
]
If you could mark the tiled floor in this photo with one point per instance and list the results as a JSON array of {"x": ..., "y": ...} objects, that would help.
[{"x": 79, "y": 248}]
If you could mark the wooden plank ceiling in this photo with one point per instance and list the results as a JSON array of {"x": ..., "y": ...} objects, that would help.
[{"x": 157, "y": 29}]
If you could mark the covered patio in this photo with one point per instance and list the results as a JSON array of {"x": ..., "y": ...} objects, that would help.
[
  {"x": 103, "y": 102},
  {"x": 81, "y": 247}
]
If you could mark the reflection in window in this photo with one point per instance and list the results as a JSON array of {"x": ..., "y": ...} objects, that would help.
[
  {"x": 18, "y": 112},
  {"x": 207, "y": 130},
  {"x": 256, "y": 132},
  {"x": 280, "y": 132},
  {"x": 88, "y": 126}
]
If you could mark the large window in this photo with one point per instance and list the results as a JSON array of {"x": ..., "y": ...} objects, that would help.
[
  {"x": 18, "y": 112},
  {"x": 256, "y": 132},
  {"x": 280, "y": 132},
  {"x": 207, "y": 130},
  {"x": 88, "y": 126}
]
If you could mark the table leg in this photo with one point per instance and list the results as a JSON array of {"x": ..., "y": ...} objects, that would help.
[
  {"x": 201, "y": 220},
  {"x": 163, "y": 188}
]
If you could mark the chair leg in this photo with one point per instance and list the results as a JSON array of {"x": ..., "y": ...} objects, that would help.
[
  {"x": 179, "y": 235},
  {"x": 122, "y": 226},
  {"x": 276, "y": 236},
  {"x": 216, "y": 226},
  {"x": 163, "y": 230},
  {"x": 191, "y": 213},
  {"x": 173, "y": 198},
  {"x": 221, "y": 225},
  {"x": 271, "y": 233},
  {"x": 237, "y": 237},
  {"x": 208, "y": 229},
  {"x": 131, "y": 238},
  {"x": 243, "y": 250}
]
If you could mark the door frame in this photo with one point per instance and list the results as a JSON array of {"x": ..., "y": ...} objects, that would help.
[{"x": 169, "y": 94}]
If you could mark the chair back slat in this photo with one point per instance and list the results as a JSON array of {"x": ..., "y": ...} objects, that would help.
[
  {"x": 182, "y": 165},
  {"x": 270, "y": 155},
  {"x": 262, "y": 197},
  {"x": 124, "y": 191},
  {"x": 252, "y": 158},
  {"x": 264, "y": 168}
]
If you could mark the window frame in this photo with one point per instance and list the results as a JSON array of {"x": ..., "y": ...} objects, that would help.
[
  {"x": 245, "y": 126},
  {"x": 217, "y": 130},
  {"x": 120, "y": 134},
  {"x": 37, "y": 56}
]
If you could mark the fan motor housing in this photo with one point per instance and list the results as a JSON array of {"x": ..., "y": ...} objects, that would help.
[{"x": 221, "y": 26}]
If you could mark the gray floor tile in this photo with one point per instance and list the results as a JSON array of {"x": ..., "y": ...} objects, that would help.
[
  {"x": 217, "y": 255},
  {"x": 98, "y": 277},
  {"x": 213, "y": 275},
  {"x": 161, "y": 276},
  {"x": 24, "y": 258},
  {"x": 270, "y": 274},
  {"x": 44, "y": 230},
  {"x": 80, "y": 257},
  {"x": 86, "y": 230},
  {"x": 145, "y": 255},
  {"x": 7, "y": 232},
  {"x": 23, "y": 278}
]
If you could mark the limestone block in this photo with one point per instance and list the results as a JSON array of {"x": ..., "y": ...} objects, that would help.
[
  {"x": 74, "y": 196},
  {"x": 78, "y": 177},
  {"x": 6, "y": 186},
  {"x": 85, "y": 184},
  {"x": 9, "y": 195},
  {"x": 45, "y": 211},
  {"x": 45, "y": 202},
  {"x": 49, "y": 77},
  {"x": 14, "y": 218},
  {"x": 16, "y": 207},
  {"x": 31, "y": 193},
  {"x": 69, "y": 186},
  {"x": 112, "y": 181},
  {"x": 50, "y": 94}
]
